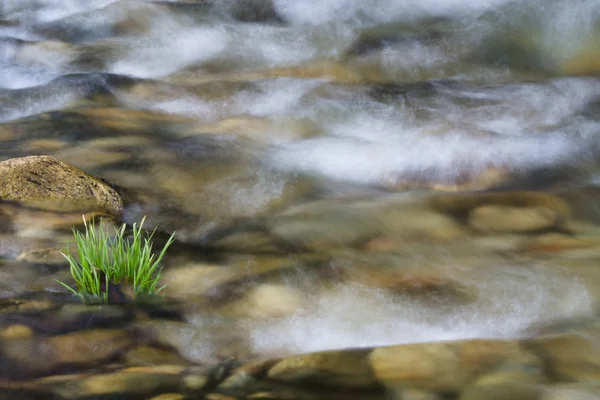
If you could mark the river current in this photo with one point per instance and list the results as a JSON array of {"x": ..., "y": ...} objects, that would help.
[{"x": 308, "y": 154}]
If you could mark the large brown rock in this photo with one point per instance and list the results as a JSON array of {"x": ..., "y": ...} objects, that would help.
[
  {"x": 345, "y": 368},
  {"x": 46, "y": 181},
  {"x": 29, "y": 357},
  {"x": 571, "y": 356},
  {"x": 445, "y": 366}
]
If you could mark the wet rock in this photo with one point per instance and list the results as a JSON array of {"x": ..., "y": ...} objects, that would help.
[
  {"x": 214, "y": 280},
  {"x": 322, "y": 69},
  {"x": 511, "y": 373},
  {"x": 16, "y": 331},
  {"x": 209, "y": 91},
  {"x": 46, "y": 317},
  {"x": 572, "y": 391},
  {"x": 37, "y": 178},
  {"x": 43, "y": 256},
  {"x": 461, "y": 206},
  {"x": 444, "y": 366},
  {"x": 169, "y": 396},
  {"x": 258, "y": 129},
  {"x": 145, "y": 355},
  {"x": 47, "y": 219},
  {"x": 267, "y": 301},
  {"x": 412, "y": 394},
  {"x": 221, "y": 183},
  {"x": 188, "y": 281},
  {"x": 252, "y": 10},
  {"x": 138, "y": 381},
  {"x": 499, "y": 219},
  {"x": 6, "y": 134},
  {"x": 88, "y": 157},
  {"x": 583, "y": 58},
  {"x": 428, "y": 30},
  {"x": 250, "y": 242},
  {"x": 502, "y": 391},
  {"x": 384, "y": 244},
  {"x": 208, "y": 340},
  {"x": 25, "y": 305},
  {"x": 570, "y": 357},
  {"x": 399, "y": 220},
  {"x": 347, "y": 368},
  {"x": 43, "y": 145},
  {"x": 129, "y": 120},
  {"x": 585, "y": 62},
  {"x": 322, "y": 225},
  {"x": 517, "y": 49},
  {"x": 524, "y": 39},
  {"x": 40, "y": 356},
  {"x": 420, "y": 285},
  {"x": 328, "y": 70},
  {"x": 486, "y": 179},
  {"x": 552, "y": 243}
]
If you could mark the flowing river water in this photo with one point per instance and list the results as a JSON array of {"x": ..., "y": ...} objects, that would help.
[{"x": 338, "y": 174}]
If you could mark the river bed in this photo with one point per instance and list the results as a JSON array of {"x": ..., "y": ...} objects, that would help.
[{"x": 338, "y": 175}]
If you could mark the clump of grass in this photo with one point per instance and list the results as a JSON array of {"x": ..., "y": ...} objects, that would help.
[{"x": 104, "y": 262}]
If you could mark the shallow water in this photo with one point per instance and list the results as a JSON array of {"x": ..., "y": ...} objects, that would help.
[{"x": 265, "y": 134}]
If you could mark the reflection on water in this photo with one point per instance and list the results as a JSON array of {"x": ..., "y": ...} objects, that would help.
[{"x": 299, "y": 148}]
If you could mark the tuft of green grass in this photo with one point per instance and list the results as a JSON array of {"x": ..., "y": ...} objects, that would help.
[{"x": 104, "y": 261}]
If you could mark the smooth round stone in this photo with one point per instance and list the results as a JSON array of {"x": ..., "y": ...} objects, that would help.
[
  {"x": 195, "y": 382},
  {"x": 323, "y": 225},
  {"x": 345, "y": 368},
  {"x": 16, "y": 331},
  {"x": 144, "y": 355},
  {"x": 127, "y": 382},
  {"x": 570, "y": 356},
  {"x": 444, "y": 366},
  {"x": 269, "y": 301},
  {"x": 40, "y": 356},
  {"x": 500, "y": 219},
  {"x": 461, "y": 205},
  {"x": 210, "y": 279}
]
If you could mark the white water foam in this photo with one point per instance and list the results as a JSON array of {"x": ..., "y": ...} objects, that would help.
[
  {"x": 319, "y": 12},
  {"x": 49, "y": 10},
  {"x": 34, "y": 103},
  {"x": 521, "y": 128},
  {"x": 19, "y": 77},
  {"x": 168, "y": 50},
  {"x": 510, "y": 300}
]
